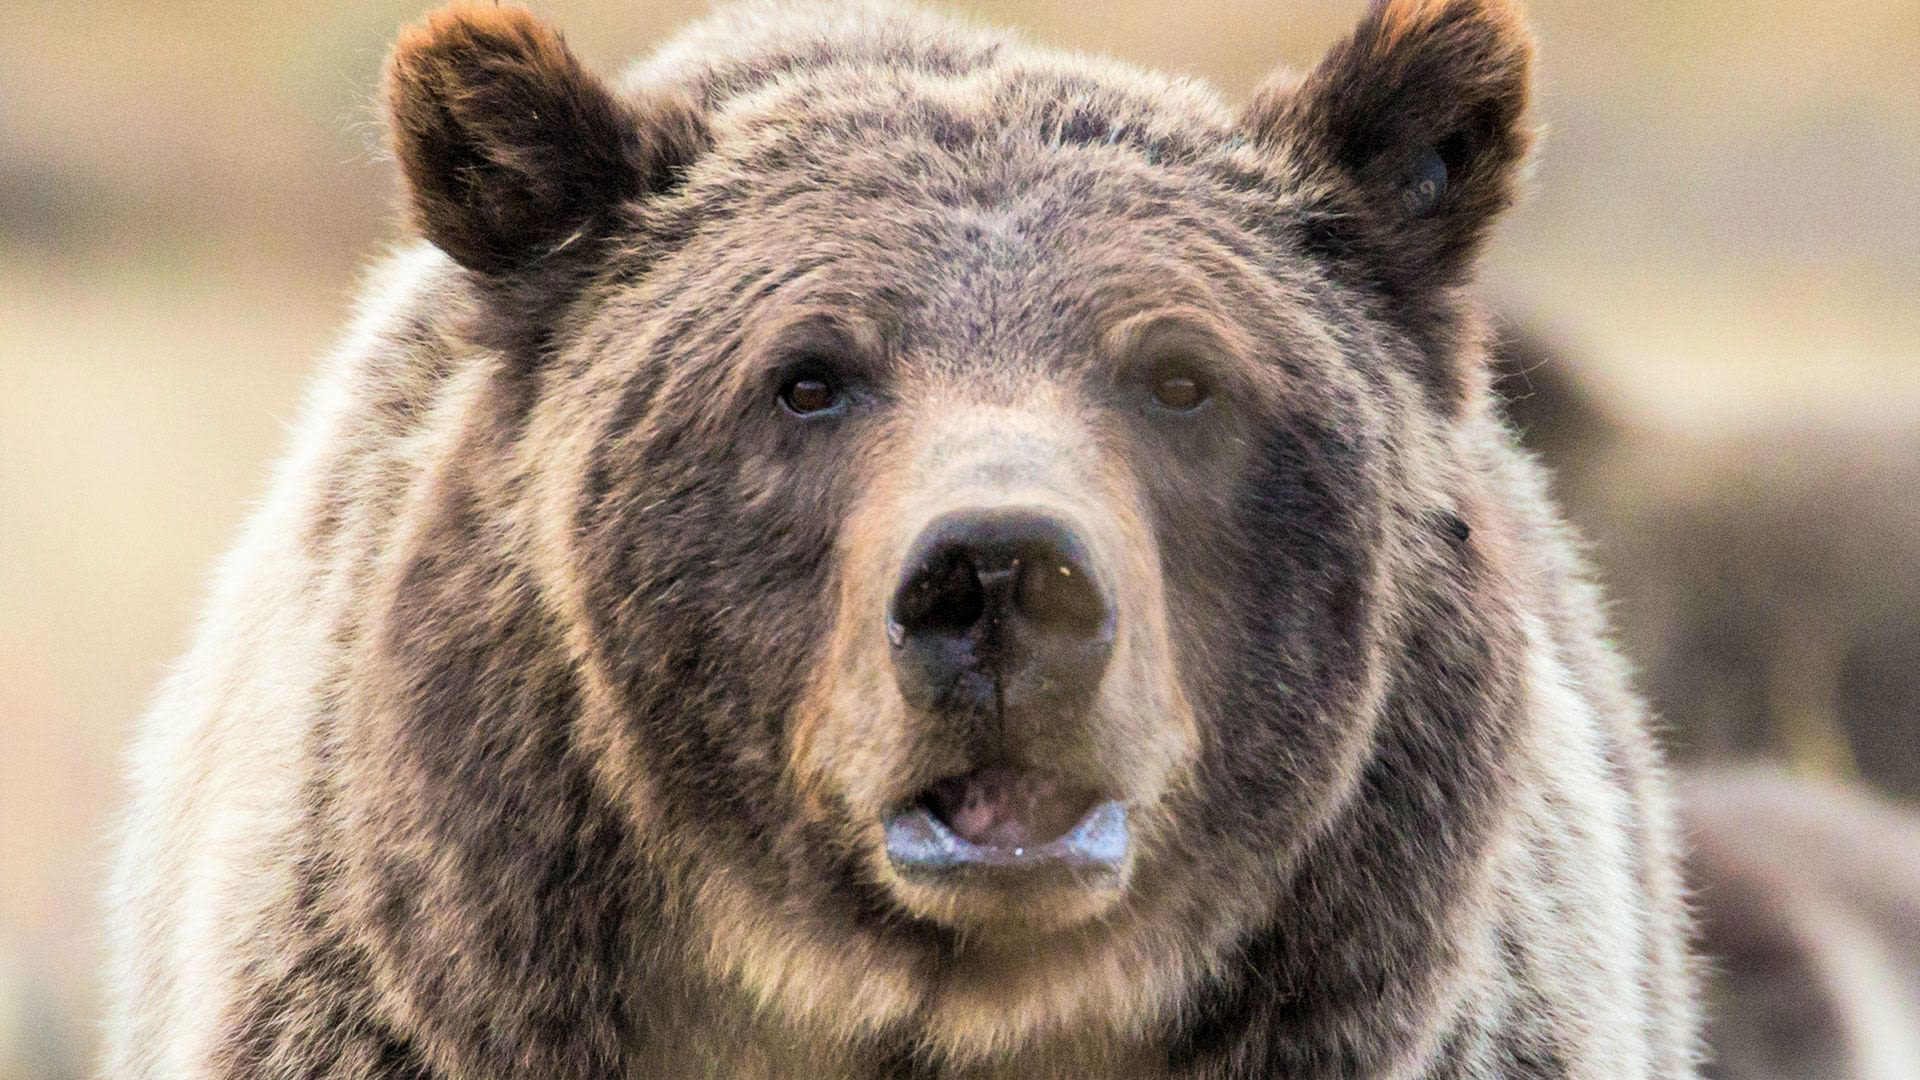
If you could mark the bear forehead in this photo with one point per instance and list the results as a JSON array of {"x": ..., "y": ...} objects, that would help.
[
  {"x": 1014, "y": 247},
  {"x": 842, "y": 87},
  {"x": 901, "y": 168},
  {"x": 930, "y": 175},
  {"x": 842, "y": 49},
  {"x": 1005, "y": 108}
]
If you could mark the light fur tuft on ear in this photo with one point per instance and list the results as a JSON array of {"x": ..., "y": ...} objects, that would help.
[{"x": 509, "y": 146}]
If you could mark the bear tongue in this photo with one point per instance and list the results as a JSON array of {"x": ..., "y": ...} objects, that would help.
[{"x": 1008, "y": 808}]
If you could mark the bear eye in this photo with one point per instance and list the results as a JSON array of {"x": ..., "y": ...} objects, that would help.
[
  {"x": 809, "y": 393},
  {"x": 1178, "y": 388}
]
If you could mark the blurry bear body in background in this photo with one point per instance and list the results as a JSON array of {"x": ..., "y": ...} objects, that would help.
[
  {"x": 1809, "y": 908},
  {"x": 1766, "y": 586}
]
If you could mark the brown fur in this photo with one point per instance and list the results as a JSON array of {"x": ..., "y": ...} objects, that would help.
[{"x": 567, "y": 659}]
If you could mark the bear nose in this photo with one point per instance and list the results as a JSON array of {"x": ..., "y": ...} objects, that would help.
[{"x": 999, "y": 609}]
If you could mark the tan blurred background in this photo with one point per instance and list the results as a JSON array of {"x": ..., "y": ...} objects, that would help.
[{"x": 1726, "y": 234}]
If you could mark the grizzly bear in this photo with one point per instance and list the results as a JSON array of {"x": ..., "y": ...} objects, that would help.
[
  {"x": 1808, "y": 900},
  {"x": 874, "y": 550}
]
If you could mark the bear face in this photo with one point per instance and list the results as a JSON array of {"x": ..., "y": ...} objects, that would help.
[
  {"x": 821, "y": 520},
  {"x": 1005, "y": 516}
]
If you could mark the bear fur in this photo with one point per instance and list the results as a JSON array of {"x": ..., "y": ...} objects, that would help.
[{"x": 545, "y": 719}]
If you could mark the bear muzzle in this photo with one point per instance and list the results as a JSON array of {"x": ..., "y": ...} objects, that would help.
[{"x": 1002, "y": 619}]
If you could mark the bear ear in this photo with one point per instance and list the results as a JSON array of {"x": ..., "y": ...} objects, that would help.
[
  {"x": 1408, "y": 136},
  {"x": 510, "y": 149}
]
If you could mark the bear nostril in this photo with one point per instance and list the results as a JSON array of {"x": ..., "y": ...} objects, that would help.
[
  {"x": 945, "y": 594},
  {"x": 1056, "y": 594}
]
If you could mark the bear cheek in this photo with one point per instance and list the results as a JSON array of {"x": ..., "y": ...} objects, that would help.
[
  {"x": 851, "y": 740},
  {"x": 1144, "y": 730},
  {"x": 1283, "y": 667}
]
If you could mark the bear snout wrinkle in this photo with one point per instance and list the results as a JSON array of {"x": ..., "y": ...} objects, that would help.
[{"x": 999, "y": 609}]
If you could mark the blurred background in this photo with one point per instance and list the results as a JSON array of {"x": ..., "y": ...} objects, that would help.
[{"x": 1714, "y": 335}]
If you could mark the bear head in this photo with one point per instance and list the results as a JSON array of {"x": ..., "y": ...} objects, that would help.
[{"x": 1012, "y": 524}]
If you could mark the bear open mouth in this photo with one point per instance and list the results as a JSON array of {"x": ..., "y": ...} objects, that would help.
[{"x": 1007, "y": 819}]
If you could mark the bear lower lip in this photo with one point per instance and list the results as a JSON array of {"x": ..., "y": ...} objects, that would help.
[
  {"x": 1007, "y": 820},
  {"x": 1004, "y": 807}
]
